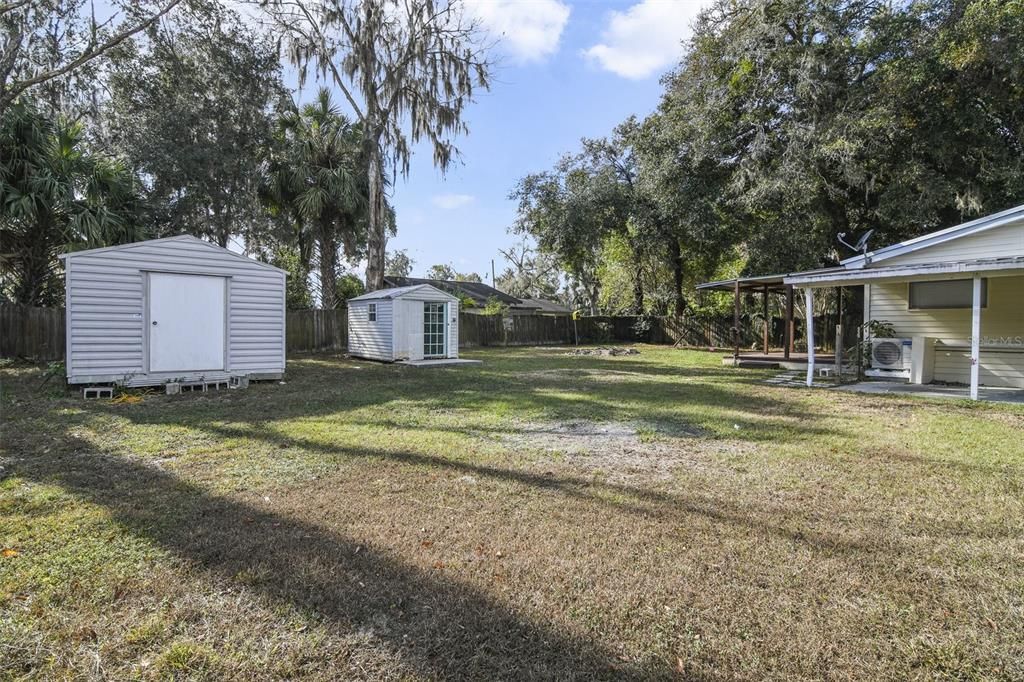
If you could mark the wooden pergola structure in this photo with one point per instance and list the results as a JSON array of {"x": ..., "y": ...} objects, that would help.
[{"x": 766, "y": 285}]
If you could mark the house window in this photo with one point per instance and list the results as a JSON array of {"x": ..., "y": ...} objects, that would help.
[
  {"x": 372, "y": 312},
  {"x": 946, "y": 294}
]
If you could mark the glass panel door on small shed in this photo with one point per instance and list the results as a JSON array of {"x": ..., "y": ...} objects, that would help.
[{"x": 434, "y": 336}]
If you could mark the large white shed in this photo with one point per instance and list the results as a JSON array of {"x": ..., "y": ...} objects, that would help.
[
  {"x": 417, "y": 322},
  {"x": 174, "y": 309}
]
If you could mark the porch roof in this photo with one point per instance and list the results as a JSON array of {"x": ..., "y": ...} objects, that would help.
[
  {"x": 773, "y": 282},
  {"x": 841, "y": 276}
]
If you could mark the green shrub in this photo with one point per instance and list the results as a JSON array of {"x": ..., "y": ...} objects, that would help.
[{"x": 495, "y": 307}]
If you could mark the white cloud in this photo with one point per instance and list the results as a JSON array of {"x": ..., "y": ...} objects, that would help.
[
  {"x": 645, "y": 39},
  {"x": 529, "y": 30},
  {"x": 452, "y": 201}
]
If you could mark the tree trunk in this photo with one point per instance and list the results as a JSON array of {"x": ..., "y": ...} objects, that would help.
[
  {"x": 677, "y": 276},
  {"x": 593, "y": 289},
  {"x": 34, "y": 272},
  {"x": 35, "y": 266},
  {"x": 223, "y": 231},
  {"x": 638, "y": 290},
  {"x": 376, "y": 238},
  {"x": 328, "y": 269}
]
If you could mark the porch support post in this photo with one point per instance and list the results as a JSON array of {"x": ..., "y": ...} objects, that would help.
[
  {"x": 736, "y": 323},
  {"x": 767, "y": 323},
  {"x": 809, "y": 323},
  {"x": 839, "y": 335},
  {"x": 975, "y": 337},
  {"x": 787, "y": 341}
]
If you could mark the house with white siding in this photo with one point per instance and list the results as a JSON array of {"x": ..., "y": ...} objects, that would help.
[
  {"x": 172, "y": 310},
  {"x": 953, "y": 298},
  {"x": 418, "y": 322}
]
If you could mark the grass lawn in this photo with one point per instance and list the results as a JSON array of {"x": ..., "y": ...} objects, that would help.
[{"x": 539, "y": 515}]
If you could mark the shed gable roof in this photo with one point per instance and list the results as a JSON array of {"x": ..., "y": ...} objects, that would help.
[
  {"x": 478, "y": 292},
  {"x": 399, "y": 292},
  {"x": 949, "y": 234},
  {"x": 176, "y": 238}
]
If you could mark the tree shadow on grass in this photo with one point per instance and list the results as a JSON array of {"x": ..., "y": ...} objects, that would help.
[
  {"x": 430, "y": 624},
  {"x": 617, "y": 497},
  {"x": 512, "y": 362},
  {"x": 501, "y": 398}
]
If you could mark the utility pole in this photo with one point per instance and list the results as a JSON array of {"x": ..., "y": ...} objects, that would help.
[{"x": 494, "y": 283}]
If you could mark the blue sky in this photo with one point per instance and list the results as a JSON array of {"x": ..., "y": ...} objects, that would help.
[{"x": 568, "y": 70}]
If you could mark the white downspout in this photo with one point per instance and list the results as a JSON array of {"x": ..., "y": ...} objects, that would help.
[
  {"x": 975, "y": 337},
  {"x": 809, "y": 315}
]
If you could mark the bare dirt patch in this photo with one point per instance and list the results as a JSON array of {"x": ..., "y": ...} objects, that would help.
[
  {"x": 604, "y": 351},
  {"x": 591, "y": 375},
  {"x": 618, "y": 449}
]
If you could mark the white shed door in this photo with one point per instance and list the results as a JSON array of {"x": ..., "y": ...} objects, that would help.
[{"x": 186, "y": 322}]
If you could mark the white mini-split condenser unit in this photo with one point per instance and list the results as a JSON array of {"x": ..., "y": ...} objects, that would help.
[{"x": 891, "y": 354}]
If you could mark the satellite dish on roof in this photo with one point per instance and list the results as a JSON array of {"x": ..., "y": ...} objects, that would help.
[{"x": 862, "y": 244}]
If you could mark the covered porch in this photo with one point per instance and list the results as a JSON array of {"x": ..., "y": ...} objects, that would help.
[
  {"x": 995, "y": 394},
  {"x": 770, "y": 354},
  {"x": 776, "y": 360},
  {"x": 967, "y": 342}
]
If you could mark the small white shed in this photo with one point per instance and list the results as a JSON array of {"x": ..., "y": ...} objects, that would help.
[
  {"x": 417, "y": 322},
  {"x": 174, "y": 309}
]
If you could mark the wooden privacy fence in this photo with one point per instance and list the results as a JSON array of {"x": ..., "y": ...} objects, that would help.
[
  {"x": 307, "y": 330},
  {"x": 513, "y": 330},
  {"x": 27, "y": 332},
  {"x": 702, "y": 332},
  {"x": 38, "y": 333}
]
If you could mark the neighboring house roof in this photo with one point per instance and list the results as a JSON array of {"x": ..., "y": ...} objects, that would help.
[
  {"x": 480, "y": 293},
  {"x": 544, "y": 306},
  {"x": 399, "y": 292},
  {"x": 177, "y": 238},
  {"x": 932, "y": 239}
]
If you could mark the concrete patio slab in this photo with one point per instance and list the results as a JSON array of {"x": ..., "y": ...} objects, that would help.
[
  {"x": 439, "y": 362},
  {"x": 989, "y": 393}
]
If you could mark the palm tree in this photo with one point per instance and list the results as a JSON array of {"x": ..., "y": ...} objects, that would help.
[
  {"x": 317, "y": 178},
  {"x": 408, "y": 71},
  {"x": 55, "y": 195}
]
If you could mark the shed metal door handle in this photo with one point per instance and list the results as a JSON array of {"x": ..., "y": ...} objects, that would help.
[{"x": 154, "y": 323}]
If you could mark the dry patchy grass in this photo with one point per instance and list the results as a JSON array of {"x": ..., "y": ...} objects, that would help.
[{"x": 540, "y": 515}]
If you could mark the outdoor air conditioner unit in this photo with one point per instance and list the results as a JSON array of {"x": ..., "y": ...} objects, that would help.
[{"x": 891, "y": 354}]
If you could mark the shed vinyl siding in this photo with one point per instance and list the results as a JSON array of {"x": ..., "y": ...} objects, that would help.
[
  {"x": 451, "y": 318},
  {"x": 998, "y": 242},
  {"x": 409, "y": 338},
  {"x": 452, "y": 311},
  {"x": 429, "y": 294},
  {"x": 107, "y": 308},
  {"x": 408, "y": 329},
  {"x": 1002, "y": 330},
  {"x": 367, "y": 339},
  {"x": 398, "y": 332}
]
